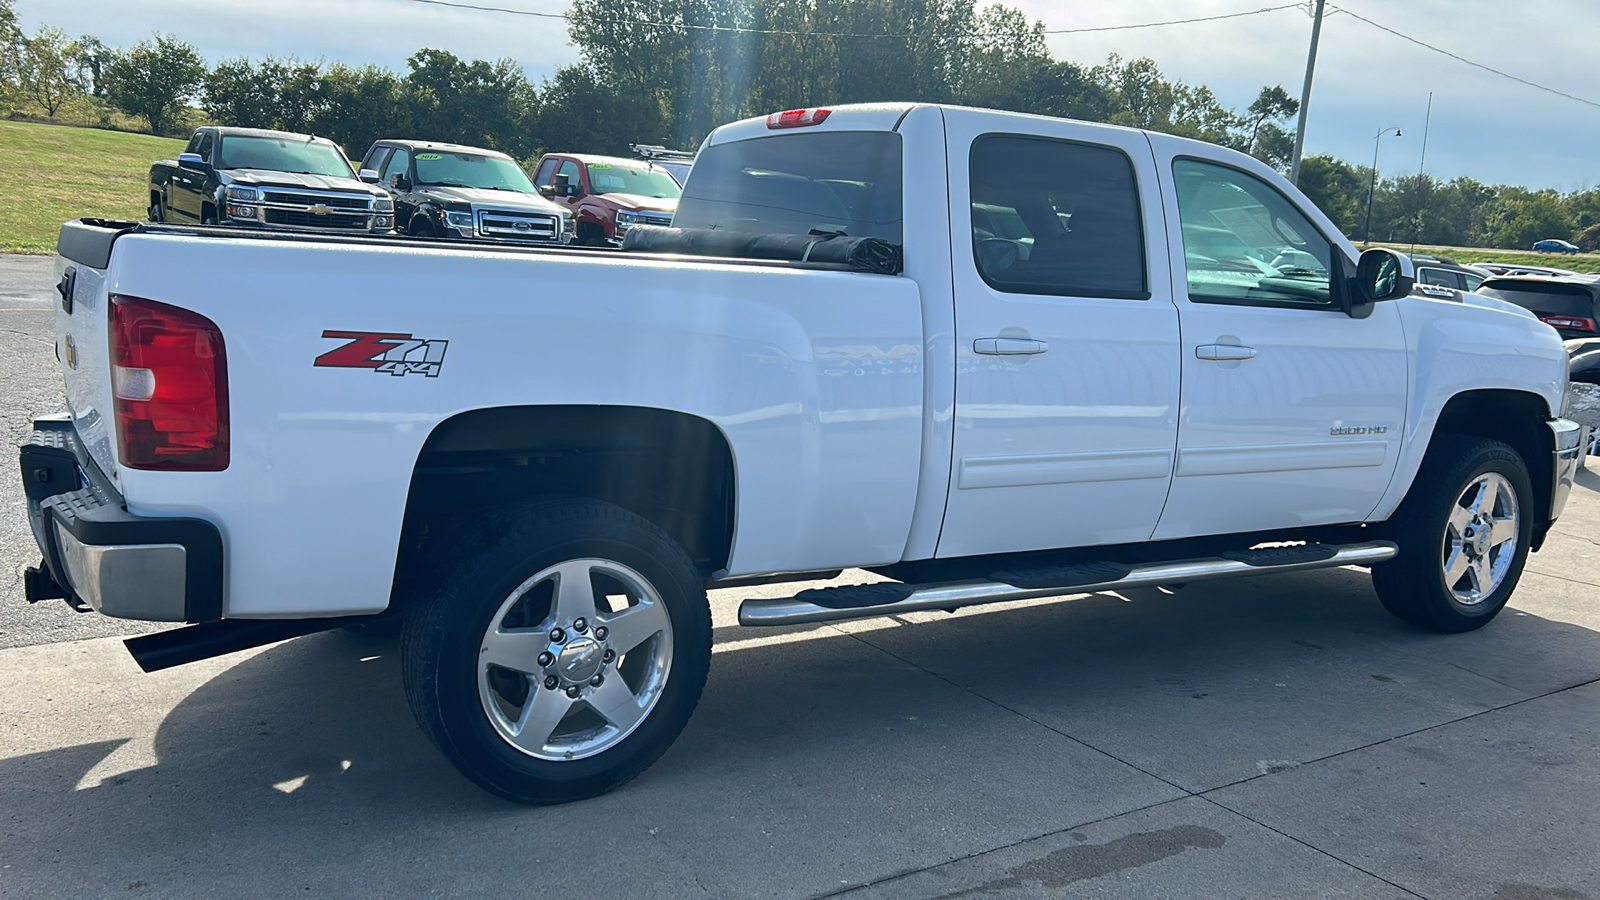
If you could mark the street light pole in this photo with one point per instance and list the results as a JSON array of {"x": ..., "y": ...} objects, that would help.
[{"x": 1372, "y": 183}]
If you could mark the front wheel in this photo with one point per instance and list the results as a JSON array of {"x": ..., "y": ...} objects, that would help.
[
  {"x": 1464, "y": 533},
  {"x": 564, "y": 654}
]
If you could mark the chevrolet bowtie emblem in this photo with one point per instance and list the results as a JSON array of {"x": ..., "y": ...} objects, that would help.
[{"x": 319, "y": 210}]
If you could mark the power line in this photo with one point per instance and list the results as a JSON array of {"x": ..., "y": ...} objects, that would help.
[
  {"x": 1458, "y": 58},
  {"x": 846, "y": 34}
]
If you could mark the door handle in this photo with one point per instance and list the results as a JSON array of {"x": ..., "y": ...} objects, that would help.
[
  {"x": 1224, "y": 351},
  {"x": 999, "y": 346}
]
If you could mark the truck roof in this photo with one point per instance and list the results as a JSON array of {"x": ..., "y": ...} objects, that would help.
[
  {"x": 226, "y": 130},
  {"x": 439, "y": 145}
]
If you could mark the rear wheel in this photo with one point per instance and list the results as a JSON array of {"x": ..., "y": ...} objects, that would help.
[
  {"x": 1464, "y": 533},
  {"x": 564, "y": 654}
]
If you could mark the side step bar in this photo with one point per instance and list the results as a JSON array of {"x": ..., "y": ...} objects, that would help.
[{"x": 892, "y": 598}]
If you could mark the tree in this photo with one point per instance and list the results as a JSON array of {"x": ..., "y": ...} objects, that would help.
[
  {"x": 360, "y": 106},
  {"x": 10, "y": 45},
  {"x": 1518, "y": 217},
  {"x": 1337, "y": 188},
  {"x": 239, "y": 92},
  {"x": 89, "y": 57},
  {"x": 1269, "y": 141},
  {"x": 155, "y": 79},
  {"x": 577, "y": 110},
  {"x": 42, "y": 70}
]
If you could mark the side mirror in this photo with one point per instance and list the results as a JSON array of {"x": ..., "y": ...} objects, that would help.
[
  {"x": 192, "y": 161},
  {"x": 370, "y": 176},
  {"x": 400, "y": 182},
  {"x": 563, "y": 186},
  {"x": 1383, "y": 274}
]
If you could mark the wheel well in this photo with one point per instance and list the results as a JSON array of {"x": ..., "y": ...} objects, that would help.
[
  {"x": 1516, "y": 417},
  {"x": 673, "y": 469},
  {"x": 208, "y": 211}
]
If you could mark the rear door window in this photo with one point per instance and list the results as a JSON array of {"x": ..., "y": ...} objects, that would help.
[
  {"x": 1056, "y": 217},
  {"x": 1544, "y": 298},
  {"x": 839, "y": 182}
]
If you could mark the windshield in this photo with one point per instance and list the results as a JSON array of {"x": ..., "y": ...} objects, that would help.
[
  {"x": 283, "y": 155},
  {"x": 614, "y": 178},
  {"x": 471, "y": 170},
  {"x": 839, "y": 181}
]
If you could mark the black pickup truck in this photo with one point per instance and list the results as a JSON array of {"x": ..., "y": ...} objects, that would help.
[
  {"x": 265, "y": 179},
  {"x": 453, "y": 191}
]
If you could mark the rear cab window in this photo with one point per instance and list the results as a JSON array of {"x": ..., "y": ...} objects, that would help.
[{"x": 833, "y": 182}]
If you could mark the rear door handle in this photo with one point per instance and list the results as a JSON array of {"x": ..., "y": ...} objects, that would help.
[
  {"x": 1224, "y": 351},
  {"x": 999, "y": 346}
]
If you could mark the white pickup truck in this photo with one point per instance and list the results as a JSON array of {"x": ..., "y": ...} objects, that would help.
[{"x": 1102, "y": 358}]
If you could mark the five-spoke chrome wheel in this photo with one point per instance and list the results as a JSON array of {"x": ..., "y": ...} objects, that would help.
[
  {"x": 575, "y": 659},
  {"x": 1480, "y": 538},
  {"x": 563, "y": 652},
  {"x": 1464, "y": 532}
]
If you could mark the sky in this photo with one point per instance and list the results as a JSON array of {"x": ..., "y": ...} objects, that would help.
[{"x": 1483, "y": 126}]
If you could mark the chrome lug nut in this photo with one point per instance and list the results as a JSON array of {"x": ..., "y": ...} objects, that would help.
[
  {"x": 546, "y": 658},
  {"x": 574, "y": 691},
  {"x": 597, "y": 680},
  {"x": 600, "y": 632},
  {"x": 609, "y": 656},
  {"x": 557, "y": 635},
  {"x": 551, "y": 682},
  {"x": 580, "y": 625}
]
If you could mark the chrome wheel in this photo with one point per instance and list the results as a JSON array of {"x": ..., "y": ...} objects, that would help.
[
  {"x": 1480, "y": 540},
  {"x": 575, "y": 659}
]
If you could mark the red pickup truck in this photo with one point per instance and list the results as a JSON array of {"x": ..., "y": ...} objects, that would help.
[{"x": 608, "y": 194}]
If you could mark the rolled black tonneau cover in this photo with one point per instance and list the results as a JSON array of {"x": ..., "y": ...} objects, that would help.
[{"x": 866, "y": 254}]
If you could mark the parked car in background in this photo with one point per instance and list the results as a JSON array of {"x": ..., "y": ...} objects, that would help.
[
  {"x": 1442, "y": 270},
  {"x": 676, "y": 162},
  {"x": 1502, "y": 268},
  {"x": 1551, "y": 245},
  {"x": 265, "y": 179},
  {"x": 1566, "y": 303},
  {"x": 448, "y": 190},
  {"x": 607, "y": 194}
]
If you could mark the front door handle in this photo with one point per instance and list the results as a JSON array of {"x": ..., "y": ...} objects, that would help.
[
  {"x": 1001, "y": 346},
  {"x": 1224, "y": 351}
]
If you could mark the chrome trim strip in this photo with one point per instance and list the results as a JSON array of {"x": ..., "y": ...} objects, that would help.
[
  {"x": 1281, "y": 458},
  {"x": 790, "y": 611},
  {"x": 1063, "y": 468}
]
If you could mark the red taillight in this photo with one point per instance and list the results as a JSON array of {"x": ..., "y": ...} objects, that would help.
[
  {"x": 169, "y": 382},
  {"x": 1571, "y": 323},
  {"x": 797, "y": 118}
]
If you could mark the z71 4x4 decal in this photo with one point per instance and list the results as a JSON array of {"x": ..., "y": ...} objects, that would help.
[{"x": 394, "y": 354}]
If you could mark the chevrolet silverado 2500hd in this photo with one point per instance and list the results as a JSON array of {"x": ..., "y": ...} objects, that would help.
[
  {"x": 255, "y": 178},
  {"x": 1111, "y": 359}
]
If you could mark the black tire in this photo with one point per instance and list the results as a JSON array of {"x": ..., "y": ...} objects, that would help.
[
  {"x": 591, "y": 235},
  {"x": 422, "y": 228},
  {"x": 154, "y": 212},
  {"x": 1426, "y": 584},
  {"x": 489, "y": 596}
]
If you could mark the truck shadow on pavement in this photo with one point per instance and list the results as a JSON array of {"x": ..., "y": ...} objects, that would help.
[{"x": 860, "y": 750}]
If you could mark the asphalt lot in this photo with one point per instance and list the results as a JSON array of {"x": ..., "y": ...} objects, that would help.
[{"x": 1274, "y": 737}]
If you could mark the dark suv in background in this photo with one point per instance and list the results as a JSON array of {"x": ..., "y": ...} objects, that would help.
[
  {"x": 1567, "y": 303},
  {"x": 453, "y": 191}
]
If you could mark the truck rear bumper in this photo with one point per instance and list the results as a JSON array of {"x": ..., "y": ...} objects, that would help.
[{"x": 100, "y": 556}]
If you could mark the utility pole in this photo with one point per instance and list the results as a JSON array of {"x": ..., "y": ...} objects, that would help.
[
  {"x": 1305, "y": 94},
  {"x": 1372, "y": 182}
]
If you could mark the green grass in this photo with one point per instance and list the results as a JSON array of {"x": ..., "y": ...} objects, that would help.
[
  {"x": 52, "y": 173},
  {"x": 1580, "y": 262}
]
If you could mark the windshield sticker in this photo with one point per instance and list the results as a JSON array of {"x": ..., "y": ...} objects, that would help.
[
  {"x": 392, "y": 354},
  {"x": 599, "y": 166},
  {"x": 429, "y": 156}
]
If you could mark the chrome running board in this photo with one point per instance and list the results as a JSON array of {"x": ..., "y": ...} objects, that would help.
[{"x": 892, "y": 598}]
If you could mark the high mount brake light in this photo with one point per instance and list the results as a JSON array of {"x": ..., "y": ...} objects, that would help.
[
  {"x": 169, "y": 386},
  {"x": 797, "y": 118},
  {"x": 1570, "y": 322}
]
